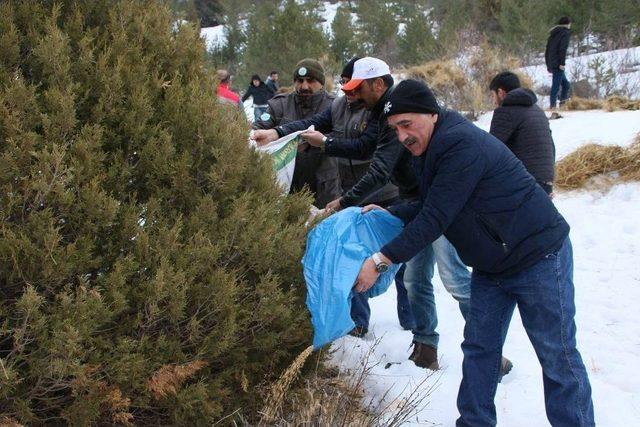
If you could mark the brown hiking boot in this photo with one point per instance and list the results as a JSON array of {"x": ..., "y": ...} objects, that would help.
[
  {"x": 505, "y": 368},
  {"x": 358, "y": 332},
  {"x": 425, "y": 356}
]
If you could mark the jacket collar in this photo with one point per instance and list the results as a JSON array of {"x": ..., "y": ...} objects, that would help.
[{"x": 378, "y": 108}]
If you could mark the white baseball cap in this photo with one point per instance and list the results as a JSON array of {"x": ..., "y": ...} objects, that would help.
[{"x": 366, "y": 68}]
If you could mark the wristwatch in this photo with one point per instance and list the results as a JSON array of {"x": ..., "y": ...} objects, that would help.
[
  {"x": 381, "y": 266},
  {"x": 322, "y": 144}
]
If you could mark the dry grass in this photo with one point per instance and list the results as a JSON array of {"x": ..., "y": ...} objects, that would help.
[
  {"x": 613, "y": 103},
  {"x": 279, "y": 389},
  {"x": 168, "y": 379},
  {"x": 466, "y": 87},
  {"x": 439, "y": 74},
  {"x": 596, "y": 166},
  {"x": 576, "y": 103},
  {"x": 331, "y": 398}
]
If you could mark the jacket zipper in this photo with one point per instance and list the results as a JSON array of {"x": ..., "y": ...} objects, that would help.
[{"x": 493, "y": 233}]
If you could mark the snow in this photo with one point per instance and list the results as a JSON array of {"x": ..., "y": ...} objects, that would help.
[
  {"x": 578, "y": 128},
  {"x": 214, "y": 36},
  {"x": 606, "y": 240}
]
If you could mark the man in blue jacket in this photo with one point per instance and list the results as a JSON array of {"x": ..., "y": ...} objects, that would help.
[{"x": 479, "y": 195}]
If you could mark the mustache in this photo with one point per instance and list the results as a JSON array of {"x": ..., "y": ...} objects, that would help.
[
  {"x": 305, "y": 92},
  {"x": 409, "y": 141}
]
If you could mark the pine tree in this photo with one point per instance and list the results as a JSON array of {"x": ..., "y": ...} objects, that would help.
[
  {"x": 343, "y": 43},
  {"x": 149, "y": 266},
  {"x": 377, "y": 29},
  {"x": 278, "y": 38},
  {"x": 417, "y": 44}
]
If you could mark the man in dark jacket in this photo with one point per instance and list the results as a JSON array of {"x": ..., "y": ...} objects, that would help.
[
  {"x": 272, "y": 82},
  {"x": 523, "y": 127},
  {"x": 474, "y": 191},
  {"x": 313, "y": 168},
  {"x": 261, "y": 94},
  {"x": 555, "y": 56},
  {"x": 372, "y": 83}
]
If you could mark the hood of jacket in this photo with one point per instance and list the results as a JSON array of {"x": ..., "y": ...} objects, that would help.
[
  {"x": 558, "y": 29},
  {"x": 520, "y": 96}
]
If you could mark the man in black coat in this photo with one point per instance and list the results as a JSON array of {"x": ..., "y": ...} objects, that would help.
[
  {"x": 261, "y": 94},
  {"x": 554, "y": 56},
  {"x": 272, "y": 82},
  {"x": 475, "y": 192},
  {"x": 523, "y": 127}
]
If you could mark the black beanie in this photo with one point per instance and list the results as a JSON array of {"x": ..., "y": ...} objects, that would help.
[
  {"x": 564, "y": 20},
  {"x": 347, "y": 71},
  {"x": 309, "y": 68},
  {"x": 411, "y": 96}
]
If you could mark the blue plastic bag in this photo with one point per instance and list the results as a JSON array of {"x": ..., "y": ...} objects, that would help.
[{"x": 336, "y": 249}]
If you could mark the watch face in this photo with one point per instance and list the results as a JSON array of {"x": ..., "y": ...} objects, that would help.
[{"x": 382, "y": 267}]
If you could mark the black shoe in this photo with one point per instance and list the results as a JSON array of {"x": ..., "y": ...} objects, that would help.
[
  {"x": 425, "y": 356},
  {"x": 358, "y": 332}
]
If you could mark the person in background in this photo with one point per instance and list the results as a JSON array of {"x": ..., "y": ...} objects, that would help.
[
  {"x": 261, "y": 94},
  {"x": 502, "y": 223},
  {"x": 555, "y": 56},
  {"x": 224, "y": 92},
  {"x": 313, "y": 168},
  {"x": 523, "y": 127},
  {"x": 272, "y": 82}
]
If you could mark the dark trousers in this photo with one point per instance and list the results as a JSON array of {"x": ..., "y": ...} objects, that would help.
[
  {"x": 559, "y": 83},
  {"x": 360, "y": 311},
  {"x": 544, "y": 295}
]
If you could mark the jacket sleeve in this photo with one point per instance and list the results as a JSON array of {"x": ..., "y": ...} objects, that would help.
[
  {"x": 266, "y": 124},
  {"x": 360, "y": 148},
  {"x": 502, "y": 125},
  {"x": 388, "y": 152},
  {"x": 247, "y": 94},
  {"x": 320, "y": 121},
  {"x": 406, "y": 211},
  {"x": 457, "y": 174},
  {"x": 563, "y": 45}
]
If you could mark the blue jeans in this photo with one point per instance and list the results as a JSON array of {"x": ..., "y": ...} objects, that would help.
[
  {"x": 257, "y": 112},
  {"x": 544, "y": 296},
  {"x": 559, "y": 79},
  {"x": 361, "y": 312},
  {"x": 455, "y": 278}
]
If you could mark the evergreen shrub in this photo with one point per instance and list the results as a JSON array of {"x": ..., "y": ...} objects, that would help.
[{"x": 149, "y": 266}]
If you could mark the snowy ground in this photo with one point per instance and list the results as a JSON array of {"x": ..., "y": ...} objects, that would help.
[{"x": 606, "y": 241}]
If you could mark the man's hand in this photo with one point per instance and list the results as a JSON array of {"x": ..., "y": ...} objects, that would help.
[
  {"x": 372, "y": 208},
  {"x": 561, "y": 67},
  {"x": 313, "y": 137},
  {"x": 264, "y": 136},
  {"x": 367, "y": 276},
  {"x": 334, "y": 205}
]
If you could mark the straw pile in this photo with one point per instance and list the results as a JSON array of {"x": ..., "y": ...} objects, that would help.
[
  {"x": 593, "y": 160},
  {"x": 613, "y": 103}
]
